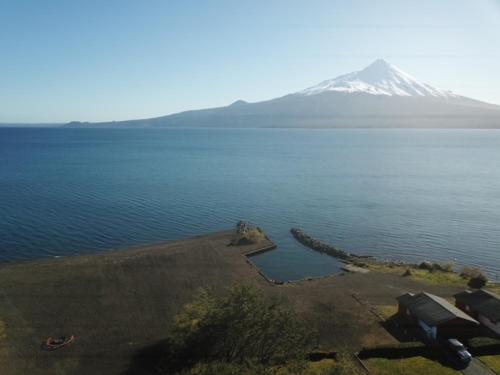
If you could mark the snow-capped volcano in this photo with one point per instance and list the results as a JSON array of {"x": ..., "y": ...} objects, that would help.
[
  {"x": 379, "y": 96},
  {"x": 379, "y": 78}
]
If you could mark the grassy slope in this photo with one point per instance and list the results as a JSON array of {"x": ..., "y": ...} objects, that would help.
[
  {"x": 117, "y": 304},
  {"x": 113, "y": 303}
]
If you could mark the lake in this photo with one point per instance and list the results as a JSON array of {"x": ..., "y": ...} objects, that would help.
[{"x": 396, "y": 194}]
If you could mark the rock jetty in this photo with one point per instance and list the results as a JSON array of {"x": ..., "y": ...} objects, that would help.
[{"x": 315, "y": 244}]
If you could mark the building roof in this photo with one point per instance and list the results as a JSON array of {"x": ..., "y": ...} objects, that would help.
[
  {"x": 483, "y": 301},
  {"x": 433, "y": 310}
]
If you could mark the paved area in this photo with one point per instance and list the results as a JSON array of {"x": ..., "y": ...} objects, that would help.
[
  {"x": 476, "y": 367},
  {"x": 354, "y": 269}
]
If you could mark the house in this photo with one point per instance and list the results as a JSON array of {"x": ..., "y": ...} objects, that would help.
[
  {"x": 482, "y": 305},
  {"x": 435, "y": 316}
]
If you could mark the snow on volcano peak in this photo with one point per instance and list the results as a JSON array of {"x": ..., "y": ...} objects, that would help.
[{"x": 379, "y": 78}]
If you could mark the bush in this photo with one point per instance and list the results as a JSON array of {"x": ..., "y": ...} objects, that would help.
[
  {"x": 432, "y": 267},
  {"x": 447, "y": 267},
  {"x": 470, "y": 272},
  {"x": 478, "y": 281},
  {"x": 407, "y": 273},
  {"x": 241, "y": 328},
  {"x": 425, "y": 266},
  {"x": 247, "y": 234},
  {"x": 477, "y": 342}
]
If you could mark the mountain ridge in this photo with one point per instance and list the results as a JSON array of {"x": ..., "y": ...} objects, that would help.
[{"x": 381, "y": 95}]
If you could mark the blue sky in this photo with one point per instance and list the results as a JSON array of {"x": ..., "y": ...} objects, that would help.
[{"x": 99, "y": 60}]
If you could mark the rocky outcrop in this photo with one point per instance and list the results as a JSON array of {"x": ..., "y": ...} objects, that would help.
[{"x": 247, "y": 234}]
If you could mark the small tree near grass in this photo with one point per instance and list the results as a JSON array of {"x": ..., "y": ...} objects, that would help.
[
  {"x": 243, "y": 327},
  {"x": 477, "y": 279}
]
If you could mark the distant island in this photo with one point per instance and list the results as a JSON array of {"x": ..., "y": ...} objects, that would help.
[{"x": 379, "y": 96}]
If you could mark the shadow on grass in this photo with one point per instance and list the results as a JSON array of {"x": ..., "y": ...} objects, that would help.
[
  {"x": 162, "y": 358},
  {"x": 399, "y": 330},
  {"x": 419, "y": 350},
  {"x": 480, "y": 346},
  {"x": 150, "y": 360},
  {"x": 486, "y": 350}
]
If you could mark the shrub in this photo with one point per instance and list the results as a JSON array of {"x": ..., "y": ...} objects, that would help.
[
  {"x": 407, "y": 272},
  {"x": 243, "y": 327},
  {"x": 447, "y": 267},
  {"x": 470, "y": 272},
  {"x": 247, "y": 234},
  {"x": 478, "y": 342},
  {"x": 478, "y": 281},
  {"x": 431, "y": 267},
  {"x": 425, "y": 266}
]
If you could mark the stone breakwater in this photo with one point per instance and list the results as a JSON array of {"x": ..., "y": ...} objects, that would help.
[
  {"x": 358, "y": 260},
  {"x": 365, "y": 260},
  {"x": 314, "y": 244}
]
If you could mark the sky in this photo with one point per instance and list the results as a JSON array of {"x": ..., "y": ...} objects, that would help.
[{"x": 102, "y": 60}]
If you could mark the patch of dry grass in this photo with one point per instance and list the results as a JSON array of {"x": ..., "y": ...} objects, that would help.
[
  {"x": 407, "y": 366},
  {"x": 387, "y": 310},
  {"x": 492, "y": 361},
  {"x": 325, "y": 366},
  {"x": 434, "y": 277},
  {"x": 429, "y": 277},
  {"x": 439, "y": 277},
  {"x": 3, "y": 334}
]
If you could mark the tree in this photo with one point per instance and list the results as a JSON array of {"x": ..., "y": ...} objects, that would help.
[
  {"x": 244, "y": 326},
  {"x": 478, "y": 281}
]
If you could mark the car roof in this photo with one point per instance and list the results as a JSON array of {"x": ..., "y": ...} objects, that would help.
[{"x": 455, "y": 342}]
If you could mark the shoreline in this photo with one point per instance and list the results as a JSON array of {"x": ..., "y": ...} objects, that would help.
[
  {"x": 250, "y": 250},
  {"x": 113, "y": 250},
  {"x": 126, "y": 300},
  {"x": 369, "y": 261}
]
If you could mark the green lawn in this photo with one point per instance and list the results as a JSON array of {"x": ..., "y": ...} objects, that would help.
[
  {"x": 492, "y": 361},
  {"x": 438, "y": 278},
  {"x": 408, "y": 366},
  {"x": 431, "y": 277}
]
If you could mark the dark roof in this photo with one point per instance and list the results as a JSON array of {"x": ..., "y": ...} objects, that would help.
[
  {"x": 483, "y": 301},
  {"x": 432, "y": 310}
]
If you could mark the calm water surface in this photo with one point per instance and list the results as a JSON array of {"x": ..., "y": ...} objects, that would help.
[{"x": 398, "y": 194}]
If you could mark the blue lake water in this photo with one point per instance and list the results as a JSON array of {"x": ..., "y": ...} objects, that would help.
[{"x": 398, "y": 194}]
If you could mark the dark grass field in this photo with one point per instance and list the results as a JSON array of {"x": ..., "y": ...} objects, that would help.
[{"x": 120, "y": 304}]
